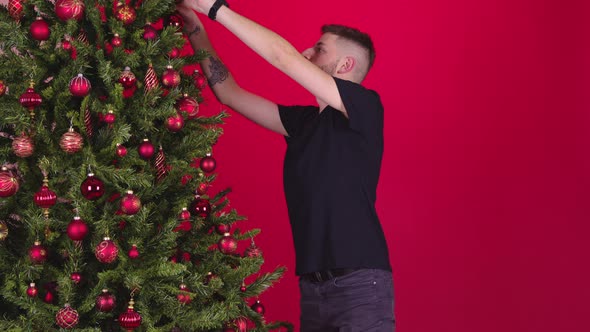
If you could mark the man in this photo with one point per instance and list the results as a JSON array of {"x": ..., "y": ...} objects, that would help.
[{"x": 331, "y": 166}]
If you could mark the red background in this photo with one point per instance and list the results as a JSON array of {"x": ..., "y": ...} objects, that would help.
[{"x": 484, "y": 193}]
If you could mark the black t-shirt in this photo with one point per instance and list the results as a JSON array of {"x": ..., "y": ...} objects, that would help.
[{"x": 330, "y": 175}]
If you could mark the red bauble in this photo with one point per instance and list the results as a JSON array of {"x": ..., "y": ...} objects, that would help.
[
  {"x": 23, "y": 146},
  {"x": 105, "y": 302},
  {"x": 130, "y": 204},
  {"x": 76, "y": 277},
  {"x": 121, "y": 151},
  {"x": 174, "y": 53},
  {"x": 125, "y": 14},
  {"x": 243, "y": 287},
  {"x": 174, "y": 20},
  {"x": 71, "y": 141},
  {"x": 3, "y": 88},
  {"x": 106, "y": 251},
  {"x": 110, "y": 117},
  {"x": 133, "y": 252},
  {"x": 116, "y": 41},
  {"x": 227, "y": 244},
  {"x": 32, "y": 291},
  {"x": 30, "y": 99},
  {"x": 170, "y": 78},
  {"x": 48, "y": 298},
  {"x": 149, "y": 32},
  {"x": 77, "y": 229},
  {"x": 184, "y": 214},
  {"x": 15, "y": 9},
  {"x": 80, "y": 86},
  {"x": 45, "y": 197},
  {"x": 146, "y": 149},
  {"x": 175, "y": 123},
  {"x": 92, "y": 188},
  {"x": 208, "y": 164},
  {"x": 189, "y": 105},
  {"x": 183, "y": 297},
  {"x": 130, "y": 319},
  {"x": 221, "y": 229},
  {"x": 199, "y": 79},
  {"x": 69, "y": 9},
  {"x": 38, "y": 253},
  {"x": 127, "y": 78},
  {"x": 200, "y": 207},
  {"x": 252, "y": 251},
  {"x": 66, "y": 45},
  {"x": 67, "y": 317},
  {"x": 39, "y": 29},
  {"x": 184, "y": 226},
  {"x": 258, "y": 307},
  {"x": 8, "y": 183},
  {"x": 202, "y": 189}
]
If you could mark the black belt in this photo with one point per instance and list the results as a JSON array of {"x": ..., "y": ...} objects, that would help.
[{"x": 326, "y": 274}]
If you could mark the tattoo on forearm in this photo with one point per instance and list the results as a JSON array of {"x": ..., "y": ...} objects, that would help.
[
  {"x": 195, "y": 31},
  {"x": 219, "y": 72}
]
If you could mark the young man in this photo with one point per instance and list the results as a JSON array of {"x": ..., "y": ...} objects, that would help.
[{"x": 331, "y": 166}]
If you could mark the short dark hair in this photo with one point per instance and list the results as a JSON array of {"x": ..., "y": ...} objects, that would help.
[{"x": 354, "y": 35}]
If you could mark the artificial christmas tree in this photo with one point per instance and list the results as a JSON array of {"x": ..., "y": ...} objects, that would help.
[{"x": 106, "y": 221}]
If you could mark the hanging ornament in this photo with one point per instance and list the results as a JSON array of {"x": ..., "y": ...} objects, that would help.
[
  {"x": 67, "y": 317},
  {"x": 92, "y": 188},
  {"x": 110, "y": 117},
  {"x": 15, "y": 9},
  {"x": 208, "y": 163},
  {"x": 170, "y": 78},
  {"x": 106, "y": 251},
  {"x": 133, "y": 252},
  {"x": 23, "y": 146},
  {"x": 252, "y": 251},
  {"x": 174, "y": 53},
  {"x": 48, "y": 298},
  {"x": 200, "y": 207},
  {"x": 189, "y": 105},
  {"x": 116, "y": 41},
  {"x": 258, "y": 307},
  {"x": 82, "y": 37},
  {"x": 161, "y": 167},
  {"x": 121, "y": 151},
  {"x": 149, "y": 32},
  {"x": 69, "y": 9},
  {"x": 66, "y": 44},
  {"x": 130, "y": 319},
  {"x": 183, "y": 297},
  {"x": 184, "y": 226},
  {"x": 125, "y": 14},
  {"x": 76, "y": 277},
  {"x": 88, "y": 123},
  {"x": 241, "y": 324},
  {"x": 175, "y": 21},
  {"x": 175, "y": 123},
  {"x": 184, "y": 215},
  {"x": 199, "y": 79},
  {"x": 3, "y": 88},
  {"x": 105, "y": 302},
  {"x": 202, "y": 189},
  {"x": 221, "y": 229},
  {"x": 32, "y": 290},
  {"x": 30, "y": 99},
  {"x": 151, "y": 79},
  {"x": 127, "y": 78},
  {"x": 38, "y": 253},
  {"x": 3, "y": 230},
  {"x": 80, "y": 86},
  {"x": 146, "y": 149},
  {"x": 77, "y": 229},
  {"x": 39, "y": 29},
  {"x": 71, "y": 141},
  {"x": 243, "y": 287},
  {"x": 209, "y": 277},
  {"x": 130, "y": 204},
  {"x": 45, "y": 198},
  {"x": 9, "y": 184},
  {"x": 227, "y": 244}
]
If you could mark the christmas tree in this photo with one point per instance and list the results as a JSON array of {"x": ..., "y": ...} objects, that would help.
[{"x": 107, "y": 218}]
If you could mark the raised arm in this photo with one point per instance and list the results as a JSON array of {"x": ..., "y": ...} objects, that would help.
[{"x": 221, "y": 81}]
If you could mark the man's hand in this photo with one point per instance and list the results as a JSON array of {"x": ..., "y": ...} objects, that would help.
[
  {"x": 192, "y": 23},
  {"x": 201, "y": 6}
]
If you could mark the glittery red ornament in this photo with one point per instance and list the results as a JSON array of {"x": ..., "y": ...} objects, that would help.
[
  {"x": 121, "y": 151},
  {"x": 130, "y": 204},
  {"x": 39, "y": 29},
  {"x": 202, "y": 189},
  {"x": 92, "y": 188},
  {"x": 15, "y": 9},
  {"x": 45, "y": 198},
  {"x": 130, "y": 319},
  {"x": 227, "y": 244},
  {"x": 149, "y": 32},
  {"x": 161, "y": 167},
  {"x": 105, "y": 302},
  {"x": 133, "y": 252},
  {"x": 3, "y": 88},
  {"x": 199, "y": 79},
  {"x": 258, "y": 307},
  {"x": 127, "y": 78},
  {"x": 80, "y": 86},
  {"x": 76, "y": 277},
  {"x": 88, "y": 123},
  {"x": 175, "y": 123},
  {"x": 184, "y": 214},
  {"x": 38, "y": 253},
  {"x": 30, "y": 99},
  {"x": 189, "y": 105},
  {"x": 125, "y": 14},
  {"x": 170, "y": 78},
  {"x": 200, "y": 207},
  {"x": 241, "y": 324},
  {"x": 208, "y": 163},
  {"x": 151, "y": 79},
  {"x": 116, "y": 41},
  {"x": 252, "y": 251},
  {"x": 77, "y": 229},
  {"x": 8, "y": 183},
  {"x": 183, "y": 297},
  {"x": 67, "y": 317},
  {"x": 32, "y": 291},
  {"x": 71, "y": 141},
  {"x": 221, "y": 229},
  {"x": 69, "y": 9},
  {"x": 106, "y": 251},
  {"x": 110, "y": 117},
  {"x": 146, "y": 149},
  {"x": 23, "y": 146}
]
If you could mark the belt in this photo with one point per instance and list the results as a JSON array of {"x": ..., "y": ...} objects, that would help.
[{"x": 326, "y": 274}]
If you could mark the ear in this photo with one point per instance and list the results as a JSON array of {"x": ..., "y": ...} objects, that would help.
[{"x": 347, "y": 65}]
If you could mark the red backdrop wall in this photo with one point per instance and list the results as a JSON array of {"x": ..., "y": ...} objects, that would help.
[{"x": 485, "y": 187}]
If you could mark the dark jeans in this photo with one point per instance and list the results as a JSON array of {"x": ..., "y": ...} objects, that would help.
[{"x": 359, "y": 301}]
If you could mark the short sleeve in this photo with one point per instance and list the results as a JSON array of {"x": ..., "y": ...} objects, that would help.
[
  {"x": 364, "y": 108},
  {"x": 294, "y": 118}
]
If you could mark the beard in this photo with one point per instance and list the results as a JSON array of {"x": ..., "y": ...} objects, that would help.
[{"x": 330, "y": 68}]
